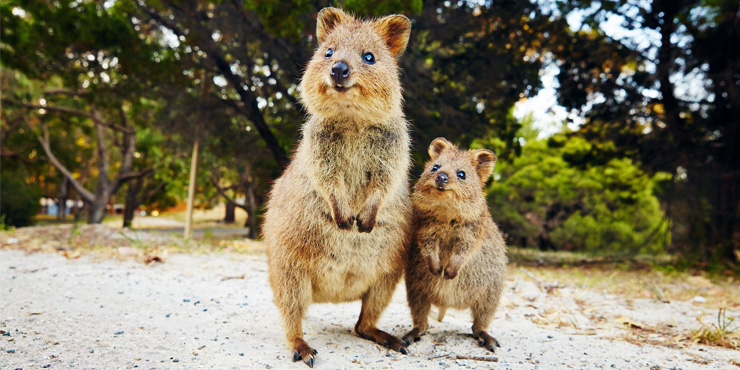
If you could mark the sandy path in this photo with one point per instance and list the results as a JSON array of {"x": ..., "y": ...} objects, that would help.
[{"x": 115, "y": 314}]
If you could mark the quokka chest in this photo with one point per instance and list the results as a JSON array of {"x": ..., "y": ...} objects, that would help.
[
  {"x": 370, "y": 140},
  {"x": 360, "y": 154}
]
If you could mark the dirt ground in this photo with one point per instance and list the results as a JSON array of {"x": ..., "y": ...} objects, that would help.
[{"x": 106, "y": 309}]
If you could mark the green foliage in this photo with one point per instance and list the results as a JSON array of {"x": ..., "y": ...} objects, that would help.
[
  {"x": 19, "y": 201},
  {"x": 543, "y": 200},
  {"x": 672, "y": 104}
]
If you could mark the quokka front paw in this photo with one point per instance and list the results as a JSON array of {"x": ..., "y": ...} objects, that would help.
[
  {"x": 345, "y": 223},
  {"x": 340, "y": 213},
  {"x": 366, "y": 218},
  {"x": 435, "y": 266},
  {"x": 454, "y": 267}
]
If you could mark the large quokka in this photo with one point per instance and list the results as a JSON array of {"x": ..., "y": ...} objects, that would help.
[
  {"x": 337, "y": 226},
  {"x": 455, "y": 236}
]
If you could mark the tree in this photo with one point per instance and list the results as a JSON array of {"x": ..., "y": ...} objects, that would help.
[
  {"x": 668, "y": 97},
  {"x": 95, "y": 67},
  {"x": 467, "y": 65},
  {"x": 97, "y": 200}
]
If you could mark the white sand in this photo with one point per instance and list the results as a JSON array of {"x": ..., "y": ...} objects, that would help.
[{"x": 181, "y": 315}]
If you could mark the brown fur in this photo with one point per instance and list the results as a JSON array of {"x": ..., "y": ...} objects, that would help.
[
  {"x": 455, "y": 235},
  {"x": 351, "y": 166}
]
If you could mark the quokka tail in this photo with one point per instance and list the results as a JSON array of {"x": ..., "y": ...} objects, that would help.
[{"x": 442, "y": 312}]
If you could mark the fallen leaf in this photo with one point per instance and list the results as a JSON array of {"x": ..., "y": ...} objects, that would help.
[
  {"x": 232, "y": 277},
  {"x": 72, "y": 255},
  {"x": 150, "y": 259}
]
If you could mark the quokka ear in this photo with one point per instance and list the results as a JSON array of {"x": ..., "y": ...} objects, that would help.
[
  {"x": 438, "y": 146},
  {"x": 328, "y": 19},
  {"x": 484, "y": 160},
  {"x": 395, "y": 30}
]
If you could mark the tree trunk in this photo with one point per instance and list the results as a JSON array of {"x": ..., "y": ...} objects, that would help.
[
  {"x": 96, "y": 210},
  {"x": 62, "y": 197},
  {"x": 251, "y": 201},
  {"x": 132, "y": 201},
  {"x": 230, "y": 215}
]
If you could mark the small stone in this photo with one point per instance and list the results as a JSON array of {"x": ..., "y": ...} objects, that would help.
[
  {"x": 119, "y": 332},
  {"x": 241, "y": 354},
  {"x": 175, "y": 359},
  {"x": 92, "y": 350},
  {"x": 46, "y": 366},
  {"x": 168, "y": 315}
]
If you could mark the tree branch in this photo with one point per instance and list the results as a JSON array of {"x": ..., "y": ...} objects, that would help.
[
  {"x": 84, "y": 193},
  {"x": 124, "y": 177},
  {"x": 226, "y": 196},
  {"x": 95, "y": 118},
  {"x": 103, "y": 159},
  {"x": 150, "y": 192},
  {"x": 129, "y": 140},
  {"x": 249, "y": 106},
  {"x": 65, "y": 92}
]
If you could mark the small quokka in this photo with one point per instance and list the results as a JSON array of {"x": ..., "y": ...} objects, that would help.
[
  {"x": 458, "y": 257},
  {"x": 338, "y": 221}
]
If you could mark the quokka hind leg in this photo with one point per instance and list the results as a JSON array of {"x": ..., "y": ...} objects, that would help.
[
  {"x": 292, "y": 296},
  {"x": 374, "y": 303},
  {"x": 482, "y": 317},
  {"x": 420, "y": 307}
]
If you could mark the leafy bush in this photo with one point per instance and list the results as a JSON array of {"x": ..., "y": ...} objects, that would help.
[
  {"x": 551, "y": 199},
  {"x": 19, "y": 202}
]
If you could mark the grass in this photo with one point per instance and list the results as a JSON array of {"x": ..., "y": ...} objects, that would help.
[
  {"x": 721, "y": 334},
  {"x": 633, "y": 278}
]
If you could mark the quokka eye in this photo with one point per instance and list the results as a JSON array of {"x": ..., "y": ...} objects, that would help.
[
  {"x": 461, "y": 175},
  {"x": 368, "y": 58},
  {"x": 435, "y": 168},
  {"x": 329, "y": 53}
]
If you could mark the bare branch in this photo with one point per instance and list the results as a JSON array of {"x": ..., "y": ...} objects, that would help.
[
  {"x": 97, "y": 119},
  {"x": 44, "y": 140},
  {"x": 150, "y": 192},
  {"x": 229, "y": 199},
  {"x": 65, "y": 92},
  {"x": 124, "y": 177},
  {"x": 129, "y": 140},
  {"x": 103, "y": 158}
]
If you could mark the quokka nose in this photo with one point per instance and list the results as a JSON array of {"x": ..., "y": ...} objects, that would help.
[
  {"x": 339, "y": 72},
  {"x": 442, "y": 179}
]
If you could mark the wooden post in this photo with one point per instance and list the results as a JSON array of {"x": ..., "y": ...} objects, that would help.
[
  {"x": 191, "y": 191},
  {"x": 194, "y": 163}
]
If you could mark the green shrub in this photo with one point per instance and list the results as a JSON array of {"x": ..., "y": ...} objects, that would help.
[
  {"x": 548, "y": 198},
  {"x": 19, "y": 202}
]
